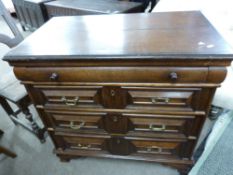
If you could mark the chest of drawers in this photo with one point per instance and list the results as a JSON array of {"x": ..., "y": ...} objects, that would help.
[{"x": 136, "y": 87}]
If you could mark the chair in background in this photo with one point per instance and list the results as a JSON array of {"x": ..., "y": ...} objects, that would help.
[
  {"x": 31, "y": 13},
  {"x": 146, "y": 3},
  {"x": 12, "y": 90}
]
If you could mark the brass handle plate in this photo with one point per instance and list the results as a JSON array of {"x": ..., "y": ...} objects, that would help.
[
  {"x": 154, "y": 149},
  {"x": 77, "y": 127},
  {"x": 81, "y": 146},
  {"x": 70, "y": 102},
  {"x": 86, "y": 147},
  {"x": 162, "y": 128},
  {"x": 160, "y": 100}
]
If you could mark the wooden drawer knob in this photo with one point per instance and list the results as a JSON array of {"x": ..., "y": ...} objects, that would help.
[
  {"x": 53, "y": 77},
  {"x": 173, "y": 76}
]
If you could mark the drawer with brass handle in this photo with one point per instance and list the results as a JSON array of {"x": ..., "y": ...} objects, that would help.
[
  {"x": 121, "y": 123},
  {"x": 163, "y": 98},
  {"x": 71, "y": 96},
  {"x": 76, "y": 121},
  {"x": 82, "y": 142},
  {"x": 161, "y": 123},
  {"x": 153, "y": 146},
  {"x": 173, "y": 148}
]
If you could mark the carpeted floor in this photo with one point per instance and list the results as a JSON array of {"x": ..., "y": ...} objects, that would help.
[{"x": 220, "y": 160}]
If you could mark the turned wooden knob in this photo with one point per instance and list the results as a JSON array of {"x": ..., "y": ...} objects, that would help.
[
  {"x": 173, "y": 76},
  {"x": 54, "y": 76}
]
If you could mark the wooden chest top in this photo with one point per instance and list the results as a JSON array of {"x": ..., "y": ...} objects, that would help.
[{"x": 172, "y": 35}]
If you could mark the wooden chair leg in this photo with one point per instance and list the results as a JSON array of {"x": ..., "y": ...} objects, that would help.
[
  {"x": 39, "y": 132},
  {"x": 7, "y": 152},
  {"x": 6, "y": 107},
  {"x": 1, "y": 132},
  {"x": 23, "y": 105}
]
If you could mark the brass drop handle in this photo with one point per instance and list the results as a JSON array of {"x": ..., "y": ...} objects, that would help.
[
  {"x": 77, "y": 127},
  {"x": 81, "y": 146},
  {"x": 53, "y": 77},
  {"x": 162, "y": 128},
  {"x": 152, "y": 148},
  {"x": 173, "y": 76},
  {"x": 70, "y": 102},
  {"x": 160, "y": 100}
]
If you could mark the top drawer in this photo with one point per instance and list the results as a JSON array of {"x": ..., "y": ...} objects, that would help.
[{"x": 114, "y": 74}]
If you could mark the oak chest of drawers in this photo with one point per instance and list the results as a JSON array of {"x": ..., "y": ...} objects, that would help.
[{"x": 135, "y": 86}]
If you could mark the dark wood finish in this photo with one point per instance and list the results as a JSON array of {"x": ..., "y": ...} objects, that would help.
[
  {"x": 116, "y": 123},
  {"x": 90, "y": 7},
  {"x": 125, "y": 74},
  {"x": 140, "y": 90},
  {"x": 155, "y": 36}
]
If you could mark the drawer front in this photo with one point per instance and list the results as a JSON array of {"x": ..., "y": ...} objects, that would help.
[
  {"x": 121, "y": 145},
  {"x": 173, "y": 148},
  {"x": 83, "y": 97},
  {"x": 149, "y": 124},
  {"x": 82, "y": 142},
  {"x": 114, "y": 74},
  {"x": 76, "y": 121},
  {"x": 164, "y": 98},
  {"x": 121, "y": 123}
]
